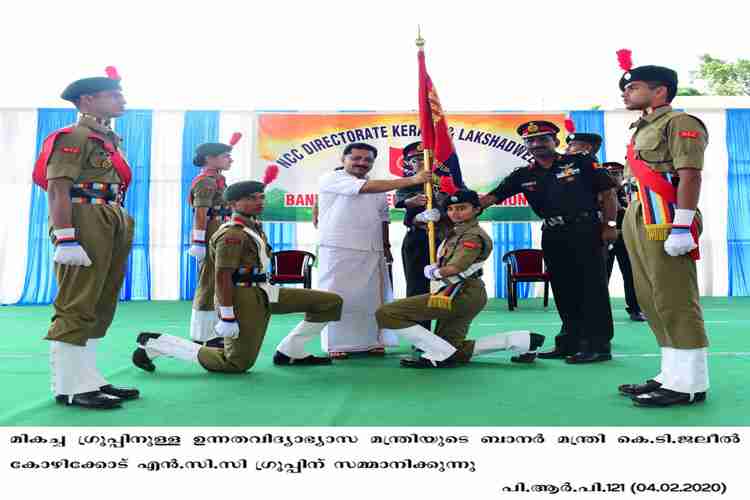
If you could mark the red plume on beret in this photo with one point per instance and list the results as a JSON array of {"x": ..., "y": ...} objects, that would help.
[
  {"x": 112, "y": 73},
  {"x": 570, "y": 126},
  {"x": 624, "y": 57},
  {"x": 235, "y": 138},
  {"x": 272, "y": 171}
]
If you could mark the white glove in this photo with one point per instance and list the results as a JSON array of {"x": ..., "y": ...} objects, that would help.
[
  {"x": 227, "y": 326},
  {"x": 680, "y": 241},
  {"x": 198, "y": 250},
  {"x": 431, "y": 272},
  {"x": 227, "y": 329},
  {"x": 67, "y": 249},
  {"x": 432, "y": 215}
]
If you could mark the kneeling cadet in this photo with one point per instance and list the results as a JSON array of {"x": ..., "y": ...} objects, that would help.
[
  {"x": 241, "y": 256},
  {"x": 460, "y": 297}
]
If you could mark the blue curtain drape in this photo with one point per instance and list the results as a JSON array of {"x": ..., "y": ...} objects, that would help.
[
  {"x": 281, "y": 235},
  {"x": 592, "y": 121},
  {"x": 738, "y": 209},
  {"x": 507, "y": 237},
  {"x": 200, "y": 127},
  {"x": 39, "y": 285},
  {"x": 134, "y": 127}
]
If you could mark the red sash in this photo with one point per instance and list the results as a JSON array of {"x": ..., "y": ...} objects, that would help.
[
  {"x": 39, "y": 175},
  {"x": 659, "y": 185}
]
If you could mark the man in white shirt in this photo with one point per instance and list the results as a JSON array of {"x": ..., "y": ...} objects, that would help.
[{"x": 354, "y": 247}]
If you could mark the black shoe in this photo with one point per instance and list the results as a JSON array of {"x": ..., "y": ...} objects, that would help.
[
  {"x": 420, "y": 362},
  {"x": 124, "y": 393},
  {"x": 216, "y": 343},
  {"x": 96, "y": 400},
  {"x": 535, "y": 342},
  {"x": 554, "y": 354},
  {"x": 140, "y": 359},
  {"x": 638, "y": 389},
  {"x": 282, "y": 359},
  {"x": 664, "y": 397},
  {"x": 580, "y": 358},
  {"x": 637, "y": 316}
]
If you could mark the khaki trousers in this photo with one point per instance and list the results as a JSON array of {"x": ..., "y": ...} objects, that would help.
[{"x": 666, "y": 287}]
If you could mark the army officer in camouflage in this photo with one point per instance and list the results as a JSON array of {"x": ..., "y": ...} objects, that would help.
[
  {"x": 209, "y": 211},
  {"x": 241, "y": 255},
  {"x": 459, "y": 300},
  {"x": 86, "y": 175}
]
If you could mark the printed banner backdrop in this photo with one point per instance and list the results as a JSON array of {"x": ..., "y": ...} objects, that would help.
[
  {"x": 158, "y": 142},
  {"x": 305, "y": 146}
]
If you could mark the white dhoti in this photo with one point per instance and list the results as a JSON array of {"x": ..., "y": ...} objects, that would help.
[{"x": 361, "y": 279}]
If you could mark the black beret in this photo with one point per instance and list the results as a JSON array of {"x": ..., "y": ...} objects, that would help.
[
  {"x": 652, "y": 74},
  {"x": 613, "y": 165},
  {"x": 537, "y": 127},
  {"x": 414, "y": 147},
  {"x": 594, "y": 139},
  {"x": 89, "y": 86},
  {"x": 462, "y": 196},
  {"x": 209, "y": 149},
  {"x": 242, "y": 189}
]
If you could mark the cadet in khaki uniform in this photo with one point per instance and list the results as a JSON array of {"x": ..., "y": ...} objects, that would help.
[
  {"x": 209, "y": 211},
  {"x": 86, "y": 175},
  {"x": 661, "y": 230},
  {"x": 241, "y": 255},
  {"x": 459, "y": 271}
]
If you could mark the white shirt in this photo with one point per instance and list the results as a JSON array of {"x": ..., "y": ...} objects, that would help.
[{"x": 348, "y": 218}]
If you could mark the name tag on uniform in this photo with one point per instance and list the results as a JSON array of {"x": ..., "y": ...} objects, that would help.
[{"x": 529, "y": 186}]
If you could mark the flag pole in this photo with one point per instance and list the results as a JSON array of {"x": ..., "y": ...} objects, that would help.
[{"x": 428, "y": 166}]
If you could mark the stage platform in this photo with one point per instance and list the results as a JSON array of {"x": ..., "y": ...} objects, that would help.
[{"x": 367, "y": 391}]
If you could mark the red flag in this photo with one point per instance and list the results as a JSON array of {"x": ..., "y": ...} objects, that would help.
[{"x": 435, "y": 135}]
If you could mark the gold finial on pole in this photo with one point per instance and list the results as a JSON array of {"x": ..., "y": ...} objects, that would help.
[{"x": 420, "y": 40}]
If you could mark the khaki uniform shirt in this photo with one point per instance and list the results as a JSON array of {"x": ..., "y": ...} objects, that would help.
[
  {"x": 232, "y": 248},
  {"x": 207, "y": 193},
  {"x": 81, "y": 159},
  {"x": 465, "y": 244},
  {"x": 669, "y": 140}
]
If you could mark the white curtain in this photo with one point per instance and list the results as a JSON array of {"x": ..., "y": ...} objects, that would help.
[{"x": 17, "y": 149}]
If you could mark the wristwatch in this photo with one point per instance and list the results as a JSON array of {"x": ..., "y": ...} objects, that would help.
[{"x": 611, "y": 223}]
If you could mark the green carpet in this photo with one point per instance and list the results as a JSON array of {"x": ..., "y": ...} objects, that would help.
[{"x": 490, "y": 391}]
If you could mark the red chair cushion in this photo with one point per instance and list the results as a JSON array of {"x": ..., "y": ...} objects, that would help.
[
  {"x": 289, "y": 262},
  {"x": 288, "y": 277}
]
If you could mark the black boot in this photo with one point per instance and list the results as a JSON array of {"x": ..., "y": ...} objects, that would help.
[
  {"x": 140, "y": 358},
  {"x": 535, "y": 342},
  {"x": 638, "y": 389},
  {"x": 282, "y": 359},
  {"x": 124, "y": 393},
  {"x": 96, "y": 400},
  {"x": 420, "y": 362},
  {"x": 661, "y": 398}
]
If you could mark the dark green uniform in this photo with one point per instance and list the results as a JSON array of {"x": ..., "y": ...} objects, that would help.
[
  {"x": 465, "y": 244},
  {"x": 233, "y": 248}
]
